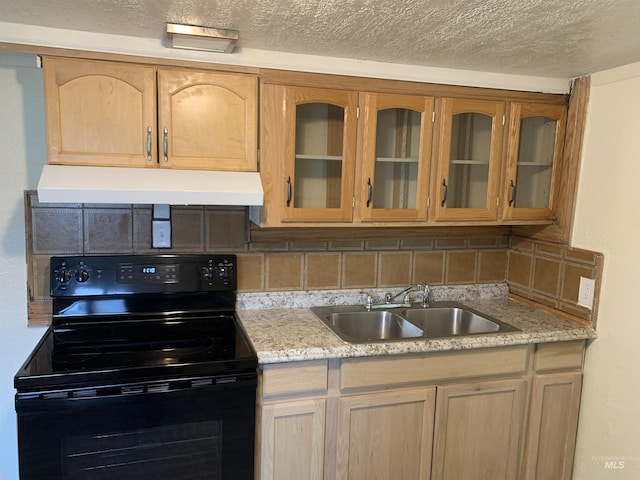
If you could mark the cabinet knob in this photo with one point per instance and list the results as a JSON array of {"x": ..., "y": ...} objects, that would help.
[
  {"x": 369, "y": 191},
  {"x": 289, "y": 191}
]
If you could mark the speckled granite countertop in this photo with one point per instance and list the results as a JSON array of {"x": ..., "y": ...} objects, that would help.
[{"x": 282, "y": 328}]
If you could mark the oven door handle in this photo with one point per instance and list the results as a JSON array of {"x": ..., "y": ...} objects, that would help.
[{"x": 239, "y": 381}]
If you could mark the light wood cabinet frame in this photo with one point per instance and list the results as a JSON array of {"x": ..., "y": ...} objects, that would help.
[{"x": 481, "y": 412}]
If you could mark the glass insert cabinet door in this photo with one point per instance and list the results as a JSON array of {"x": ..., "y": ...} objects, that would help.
[
  {"x": 320, "y": 126},
  {"x": 533, "y": 154},
  {"x": 396, "y": 143},
  {"x": 469, "y": 151}
]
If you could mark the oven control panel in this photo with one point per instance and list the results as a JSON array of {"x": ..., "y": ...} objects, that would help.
[{"x": 130, "y": 274}]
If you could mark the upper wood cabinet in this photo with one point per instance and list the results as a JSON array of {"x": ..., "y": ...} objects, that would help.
[
  {"x": 534, "y": 151},
  {"x": 208, "y": 120},
  {"x": 467, "y": 179},
  {"x": 316, "y": 148},
  {"x": 104, "y": 113},
  {"x": 322, "y": 164},
  {"x": 393, "y": 169},
  {"x": 100, "y": 113}
]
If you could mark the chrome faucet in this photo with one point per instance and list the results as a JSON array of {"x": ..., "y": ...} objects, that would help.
[
  {"x": 367, "y": 301},
  {"x": 424, "y": 289}
]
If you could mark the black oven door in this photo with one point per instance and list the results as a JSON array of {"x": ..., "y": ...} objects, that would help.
[{"x": 180, "y": 430}]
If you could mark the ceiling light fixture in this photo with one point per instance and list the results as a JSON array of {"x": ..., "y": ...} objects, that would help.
[{"x": 206, "y": 39}]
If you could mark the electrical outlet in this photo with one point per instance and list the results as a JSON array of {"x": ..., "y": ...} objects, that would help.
[
  {"x": 586, "y": 292},
  {"x": 161, "y": 233}
]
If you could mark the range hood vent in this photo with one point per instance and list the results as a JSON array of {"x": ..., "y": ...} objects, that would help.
[{"x": 76, "y": 184}]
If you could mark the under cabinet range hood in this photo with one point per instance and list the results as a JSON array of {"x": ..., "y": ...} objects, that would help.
[{"x": 80, "y": 184}]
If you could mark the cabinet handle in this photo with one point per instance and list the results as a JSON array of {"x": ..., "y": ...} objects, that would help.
[
  {"x": 289, "y": 191},
  {"x": 369, "y": 191},
  {"x": 513, "y": 193},
  {"x": 165, "y": 144},
  {"x": 149, "y": 143},
  {"x": 444, "y": 193}
]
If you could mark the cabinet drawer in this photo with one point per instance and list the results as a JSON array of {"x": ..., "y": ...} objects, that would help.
[
  {"x": 409, "y": 369},
  {"x": 295, "y": 378},
  {"x": 560, "y": 355}
]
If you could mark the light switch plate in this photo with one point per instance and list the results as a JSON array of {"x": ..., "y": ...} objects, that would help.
[{"x": 586, "y": 292}]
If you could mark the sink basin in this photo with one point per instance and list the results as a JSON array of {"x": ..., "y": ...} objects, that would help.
[
  {"x": 453, "y": 321},
  {"x": 356, "y": 325},
  {"x": 363, "y": 326}
]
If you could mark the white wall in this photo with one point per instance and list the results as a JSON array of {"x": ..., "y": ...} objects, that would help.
[
  {"x": 22, "y": 154},
  {"x": 608, "y": 220}
]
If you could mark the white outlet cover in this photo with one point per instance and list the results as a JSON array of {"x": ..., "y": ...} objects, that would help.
[
  {"x": 161, "y": 234},
  {"x": 586, "y": 292}
]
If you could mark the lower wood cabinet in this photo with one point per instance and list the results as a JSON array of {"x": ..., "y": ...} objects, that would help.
[
  {"x": 293, "y": 440},
  {"x": 478, "y": 430},
  {"x": 553, "y": 423},
  {"x": 385, "y": 435},
  {"x": 515, "y": 418}
]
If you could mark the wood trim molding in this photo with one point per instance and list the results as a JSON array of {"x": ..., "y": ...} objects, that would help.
[{"x": 321, "y": 80}]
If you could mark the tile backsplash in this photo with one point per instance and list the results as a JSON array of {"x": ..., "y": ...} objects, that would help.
[
  {"x": 549, "y": 274},
  {"x": 534, "y": 271}
]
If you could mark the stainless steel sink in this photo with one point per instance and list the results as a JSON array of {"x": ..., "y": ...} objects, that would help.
[
  {"x": 357, "y": 325},
  {"x": 363, "y": 326},
  {"x": 454, "y": 321}
]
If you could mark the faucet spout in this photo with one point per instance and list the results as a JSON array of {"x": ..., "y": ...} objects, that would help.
[{"x": 388, "y": 297}]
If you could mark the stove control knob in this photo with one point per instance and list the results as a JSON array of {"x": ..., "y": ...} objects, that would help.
[
  {"x": 207, "y": 273},
  {"x": 64, "y": 275},
  {"x": 82, "y": 275},
  {"x": 223, "y": 273}
]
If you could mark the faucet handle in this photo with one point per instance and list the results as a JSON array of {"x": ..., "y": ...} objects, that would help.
[
  {"x": 424, "y": 289},
  {"x": 368, "y": 301}
]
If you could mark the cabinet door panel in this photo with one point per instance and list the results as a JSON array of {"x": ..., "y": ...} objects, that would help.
[
  {"x": 292, "y": 443},
  {"x": 478, "y": 430},
  {"x": 536, "y": 135},
  {"x": 469, "y": 159},
  {"x": 385, "y": 436},
  {"x": 553, "y": 424},
  {"x": 393, "y": 180},
  {"x": 210, "y": 120},
  {"x": 319, "y": 155},
  {"x": 100, "y": 113}
]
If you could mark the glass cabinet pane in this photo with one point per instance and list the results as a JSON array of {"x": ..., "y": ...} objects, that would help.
[
  {"x": 318, "y": 156},
  {"x": 535, "y": 162},
  {"x": 469, "y": 160},
  {"x": 397, "y": 154}
]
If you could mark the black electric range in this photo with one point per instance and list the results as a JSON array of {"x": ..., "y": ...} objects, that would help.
[{"x": 145, "y": 338}]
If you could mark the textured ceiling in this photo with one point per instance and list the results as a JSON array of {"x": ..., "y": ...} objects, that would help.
[{"x": 552, "y": 38}]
